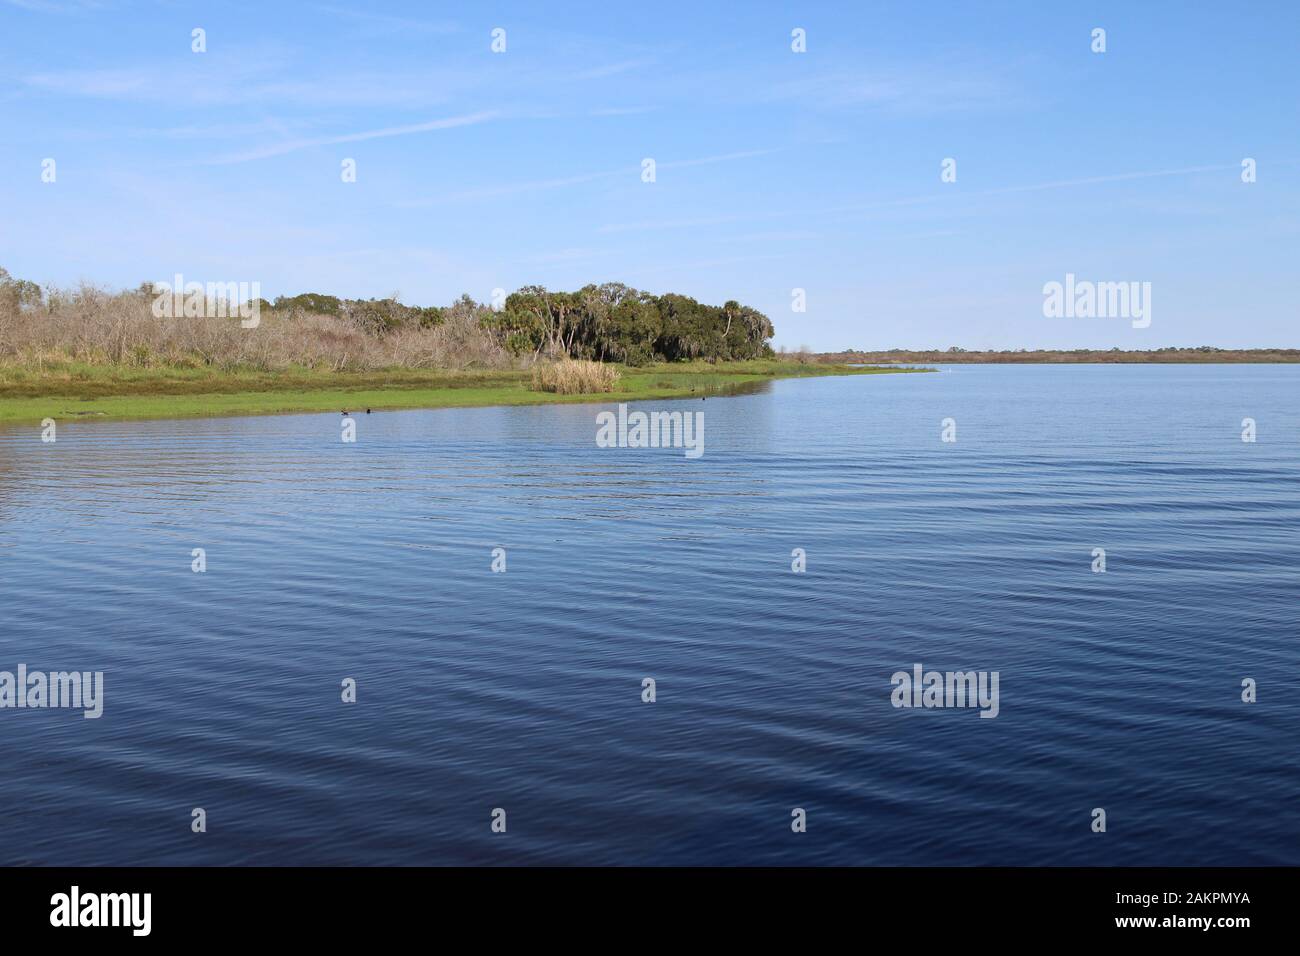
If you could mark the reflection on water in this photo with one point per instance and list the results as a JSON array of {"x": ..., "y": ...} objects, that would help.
[{"x": 523, "y": 690}]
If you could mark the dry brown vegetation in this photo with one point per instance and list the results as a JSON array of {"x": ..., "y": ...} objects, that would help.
[
  {"x": 803, "y": 355},
  {"x": 90, "y": 326},
  {"x": 574, "y": 377}
]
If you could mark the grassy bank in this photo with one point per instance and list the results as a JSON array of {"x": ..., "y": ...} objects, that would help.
[{"x": 75, "y": 392}]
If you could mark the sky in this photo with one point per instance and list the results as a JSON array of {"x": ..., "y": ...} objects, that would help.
[{"x": 774, "y": 170}]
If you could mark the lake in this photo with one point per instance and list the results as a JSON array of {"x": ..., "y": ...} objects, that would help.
[{"x": 476, "y": 690}]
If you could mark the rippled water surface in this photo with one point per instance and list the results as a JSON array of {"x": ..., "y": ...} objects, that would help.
[{"x": 522, "y": 690}]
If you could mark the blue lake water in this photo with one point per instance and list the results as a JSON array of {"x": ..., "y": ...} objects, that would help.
[{"x": 522, "y": 690}]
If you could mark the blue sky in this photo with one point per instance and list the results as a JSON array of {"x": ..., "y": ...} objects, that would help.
[{"x": 775, "y": 170}]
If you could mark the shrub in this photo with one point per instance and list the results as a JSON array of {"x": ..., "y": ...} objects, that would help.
[
  {"x": 574, "y": 377},
  {"x": 92, "y": 326}
]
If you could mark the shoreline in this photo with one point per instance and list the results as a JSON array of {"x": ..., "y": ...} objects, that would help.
[
  {"x": 1167, "y": 356},
  {"x": 129, "y": 395}
]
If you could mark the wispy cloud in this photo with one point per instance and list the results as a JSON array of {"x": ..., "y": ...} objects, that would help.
[
  {"x": 540, "y": 185},
  {"x": 776, "y": 236},
  {"x": 656, "y": 224},
  {"x": 511, "y": 189},
  {"x": 1115, "y": 178},
  {"x": 622, "y": 111},
  {"x": 721, "y": 158},
  {"x": 613, "y": 69},
  {"x": 905, "y": 201},
  {"x": 1032, "y": 187},
  {"x": 96, "y": 83},
  {"x": 577, "y": 254},
  {"x": 55, "y": 6},
  {"x": 388, "y": 23},
  {"x": 695, "y": 265},
  {"x": 255, "y": 80},
  {"x": 293, "y": 145},
  {"x": 913, "y": 88}
]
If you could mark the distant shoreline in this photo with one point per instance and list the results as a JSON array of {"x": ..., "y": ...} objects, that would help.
[{"x": 1168, "y": 356}]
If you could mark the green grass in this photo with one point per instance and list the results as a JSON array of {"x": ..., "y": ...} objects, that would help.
[{"x": 72, "y": 392}]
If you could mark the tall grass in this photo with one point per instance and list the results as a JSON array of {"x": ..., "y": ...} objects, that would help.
[{"x": 574, "y": 377}]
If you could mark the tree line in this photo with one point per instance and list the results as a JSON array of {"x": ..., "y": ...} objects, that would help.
[{"x": 611, "y": 322}]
